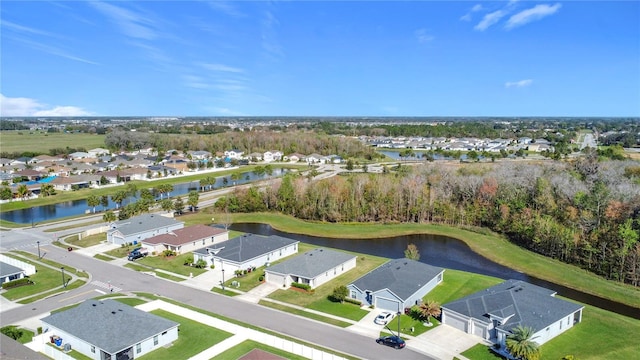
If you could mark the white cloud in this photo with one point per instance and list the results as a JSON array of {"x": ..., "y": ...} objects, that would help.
[
  {"x": 467, "y": 16},
  {"x": 490, "y": 19},
  {"x": 476, "y": 7},
  {"x": 423, "y": 36},
  {"x": 535, "y": 13},
  {"x": 20, "y": 106},
  {"x": 225, "y": 7},
  {"x": 130, "y": 23},
  {"x": 221, "y": 67},
  {"x": 518, "y": 84},
  {"x": 24, "y": 29}
]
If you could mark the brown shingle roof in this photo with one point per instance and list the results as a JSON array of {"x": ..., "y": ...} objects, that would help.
[{"x": 185, "y": 235}]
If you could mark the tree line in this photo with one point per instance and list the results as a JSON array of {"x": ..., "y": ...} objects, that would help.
[{"x": 583, "y": 212}]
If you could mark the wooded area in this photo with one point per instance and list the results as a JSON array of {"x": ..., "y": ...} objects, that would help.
[{"x": 583, "y": 212}]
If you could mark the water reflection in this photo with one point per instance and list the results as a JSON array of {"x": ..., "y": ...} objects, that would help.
[
  {"x": 78, "y": 207},
  {"x": 444, "y": 252}
]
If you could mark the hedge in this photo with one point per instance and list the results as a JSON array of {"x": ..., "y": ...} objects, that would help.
[
  {"x": 301, "y": 286},
  {"x": 16, "y": 283}
]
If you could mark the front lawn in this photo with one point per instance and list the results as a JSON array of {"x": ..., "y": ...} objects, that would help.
[
  {"x": 174, "y": 264},
  {"x": 86, "y": 241},
  {"x": 482, "y": 352},
  {"x": 193, "y": 338},
  {"x": 307, "y": 314},
  {"x": 245, "y": 347}
]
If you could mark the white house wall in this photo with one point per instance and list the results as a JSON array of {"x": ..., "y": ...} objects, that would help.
[
  {"x": 553, "y": 330},
  {"x": 27, "y": 268},
  {"x": 116, "y": 237},
  {"x": 147, "y": 346},
  {"x": 332, "y": 273},
  {"x": 78, "y": 345}
]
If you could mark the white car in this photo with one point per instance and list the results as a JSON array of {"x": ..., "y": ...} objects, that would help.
[{"x": 383, "y": 318}]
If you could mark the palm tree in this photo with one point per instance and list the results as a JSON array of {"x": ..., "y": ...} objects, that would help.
[
  {"x": 23, "y": 192},
  {"x": 109, "y": 216},
  {"x": 119, "y": 197},
  {"x": 193, "y": 199},
  {"x": 429, "y": 309},
  {"x": 521, "y": 345},
  {"x": 93, "y": 201}
]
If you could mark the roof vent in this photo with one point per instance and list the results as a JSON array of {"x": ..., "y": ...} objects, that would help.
[
  {"x": 94, "y": 305},
  {"x": 113, "y": 312}
]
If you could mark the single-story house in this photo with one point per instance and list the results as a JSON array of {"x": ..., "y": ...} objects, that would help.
[
  {"x": 234, "y": 154},
  {"x": 66, "y": 183},
  {"x": 186, "y": 239},
  {"x": 313, "y": 268},
  {"x": 246, "y": 251},
  {"x": 141, "y": 227},
  {"x": 396, "y": 284},
  {"x": 109, "y": 329},
  {"x": 492, "y": 313},
  {"x": 9, "y": 273}
]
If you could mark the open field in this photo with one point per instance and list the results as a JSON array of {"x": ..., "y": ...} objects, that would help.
[
  {"x": 42, "y": 142},
  {"x": 488, "y": 244}
]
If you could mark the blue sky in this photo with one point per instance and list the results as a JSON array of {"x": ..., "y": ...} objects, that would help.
[{"x": 320, "y": 58}]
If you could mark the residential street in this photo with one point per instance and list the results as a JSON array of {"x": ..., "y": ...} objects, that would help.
[{"x": 128, "y": 280}]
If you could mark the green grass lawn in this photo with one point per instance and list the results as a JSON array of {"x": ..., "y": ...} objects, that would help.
[
  {"x": 245, "y": 347},
  {"x": 482, "y": 352},
  {"x": 131, "y": 301},
  {"x": 87, "y": 241},
  {"x": 44, "y": 280},
  {"x": 490, "y": 245},
  {"x": 300, "y": 312},
  {"x": 103, "y": 257},
  {"x": 346, "y": 310},
  {"x": 42, "y": 142},
  {"x": 73, "y": 285},
  {"x": 68, "y": 269},
  {"x": 122, "y": 251},
  {"x": 160, "y": 274},
  {"x": 174, "y": 264},
  {"x": 193, "y": 338},
  {"x": 458, "y": 284}
]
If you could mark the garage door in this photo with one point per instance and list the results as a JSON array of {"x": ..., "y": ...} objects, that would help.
[
  {"x": 455, "y": 322},
  {"x": 478, "y": 330},
  {"x": 387, "y": 304}
]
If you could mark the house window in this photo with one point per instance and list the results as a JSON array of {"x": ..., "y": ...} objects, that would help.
[
  {"x": 194, "y": 244},
  {"x": 203, "y": 241},
  {"x": 138, "y": 348},
  {"x": 342, "y": 267},
  {"x": 326, "y": 274},
  {"x": 280, "y": 252},
  {"x": 353, "y": 294},
  {"x": 568, "y": 319},
  {"x": 93, "y": 349},
  {"x": 334, "y": 271},
  {"x": 155, "y": 340},
  {"x": 560, "y": 325},
  {"x": 439, "y": 277}
]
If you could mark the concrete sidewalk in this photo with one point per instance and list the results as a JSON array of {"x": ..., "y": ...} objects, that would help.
[{"x": 240, "y": 334}]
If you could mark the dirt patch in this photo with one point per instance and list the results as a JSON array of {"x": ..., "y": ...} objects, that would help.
[{"x": 258, "y": 354}]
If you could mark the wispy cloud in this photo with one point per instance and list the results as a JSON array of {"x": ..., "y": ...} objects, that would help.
[
  {"x": 535, "y": 13},
  {"x": 423, "y": 36},
  {"x": 50, "y": 49},
  {"x": 269, "y": 36},
  {"x": 130, "y": 23},
  {"x": 490, "y": 19},
  {"x": 20, "y": 106},
  {"x": 221, "y": 67},
  {"x": 25, "y": 29},
  {"x": 518, "y": 84},
  {"x": 467, "y": 16},
  {"x": 226, "y": 7}
]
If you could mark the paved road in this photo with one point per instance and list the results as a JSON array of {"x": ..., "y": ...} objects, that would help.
[{"x": 128, "y": 280}]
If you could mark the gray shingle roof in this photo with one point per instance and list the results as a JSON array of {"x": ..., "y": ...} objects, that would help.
[
  {"x": 312, "y": 263},
  {"x": 527, "y": 304},
  {"x": 403, "y": 277},
  {"x": 143, "y": 223},
  {"x": 7, "y": 269},
  {"x": 108, "y": 324},
  {"x": 249, "y": 246}
]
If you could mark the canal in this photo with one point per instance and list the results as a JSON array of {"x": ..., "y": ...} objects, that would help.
[{"x": 444, "y": 252}]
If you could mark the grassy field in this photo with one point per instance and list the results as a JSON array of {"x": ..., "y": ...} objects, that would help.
[
  {"x": 174, "y": 264},
  {"x": 87, "y": 241},
  {"x": 194, "y": 338},
  {"x": 485, "y": 243},
  {"x": 245, "y": 347},
  {"x": 42, "y": 142},
  {"x": 299, "y": 312}
]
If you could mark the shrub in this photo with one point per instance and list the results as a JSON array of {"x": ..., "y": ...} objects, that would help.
[
  {"x": 212, "y": 266},
  {"x": 188, "y": 261},
  {"x": 16, "y": 283},
  {"x": 353, "y": 301},
  {"x": 200, "y": 264},
  {"x": 12, "y": 331},
  {"x": 39, "y": 330},
  {"x": 339, "y": 294},
  {"x": 261, "y": 278},
  {"x": 167, "y": 253},
  {"x": 301, "y": 286}
]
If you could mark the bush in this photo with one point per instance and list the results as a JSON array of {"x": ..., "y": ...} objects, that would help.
[
  {"x": 261, "y": 278},
  {"x": 188, "y": 261},
  {"x": 16, "y": 283},
  {"x": 39, "y": 330},
  {"x": 12, "y": 331},
  {"x": 353, "y": 301},
  {"x": 212, "y": 266},
  {"x": 339, "y": 294},
  {"x": 301, "y": 286},
  {"x": 167, "y": 253}
]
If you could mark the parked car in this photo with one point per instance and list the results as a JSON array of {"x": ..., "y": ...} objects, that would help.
[
  {"x": 393, "y": 341},
  {"x": 383, "y": 318},
  {"x": 137, "y": 254}
]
